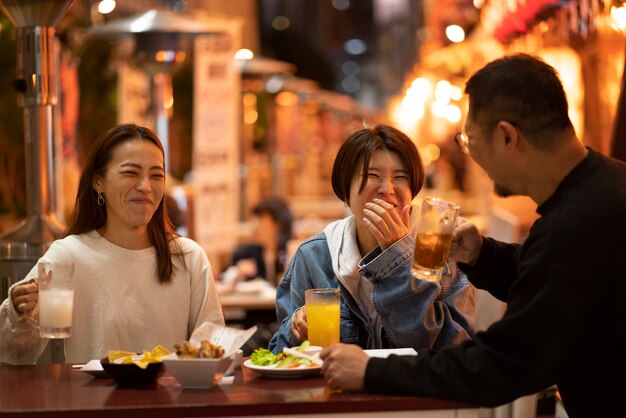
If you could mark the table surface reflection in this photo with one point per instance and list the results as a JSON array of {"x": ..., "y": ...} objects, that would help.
[{"x": 59, "y": 390}]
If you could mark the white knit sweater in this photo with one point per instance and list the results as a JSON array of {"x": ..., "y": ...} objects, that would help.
[{"x": 118, "y": 302}]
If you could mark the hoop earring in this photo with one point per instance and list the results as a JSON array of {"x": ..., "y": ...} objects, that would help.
[{"x": 100, "y": 199}]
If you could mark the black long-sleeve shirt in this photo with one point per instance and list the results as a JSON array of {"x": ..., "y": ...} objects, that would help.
[{"x": 565, "y": 322}]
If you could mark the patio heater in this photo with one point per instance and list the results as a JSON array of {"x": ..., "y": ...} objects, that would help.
[
  {"x": 36, "y": 86},
  {"x": 158, "y": 43}
]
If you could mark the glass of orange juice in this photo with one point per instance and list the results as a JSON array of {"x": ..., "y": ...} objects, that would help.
[{"x": 322, "y": 316}]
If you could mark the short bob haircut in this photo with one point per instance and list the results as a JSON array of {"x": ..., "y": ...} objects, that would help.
[
  {"x": 87, "y": 215},
  {"x": 355, "y": 154}
]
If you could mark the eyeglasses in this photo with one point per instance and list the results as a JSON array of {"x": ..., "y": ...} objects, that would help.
[{"x": 462, "y": 140}]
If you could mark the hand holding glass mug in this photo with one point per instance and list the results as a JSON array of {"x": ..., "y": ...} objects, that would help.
[
  {"x": 466, "y": 242},
  {"x": 24, "y": 299}
]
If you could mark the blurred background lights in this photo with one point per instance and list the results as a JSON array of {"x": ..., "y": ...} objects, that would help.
[
  {"x": 420, "y": 88},
  {"x": 249, "y": 99},
  {"x": 106, "y": 6},
  {"x": 618, "y": 16},
  {"x": 456, "y": 93},
  {"x": 165, "y": 56},
  {"x": 453, "y": 113},
  {"x": 432, "y": 152},
  {"x": 355, "y": 47},
  {"x": 250, "y": 116},
  {"x": 350, "y": 68},
  {"x": 286, "y": 98},
  {"x": 412, "y": 100},
  {"x": 351, "y": 84},
  {"x": 438, "y": 109},
  {"x": 455, "y": 33},
  {"x": 443, "y": 91},
  {"x": 142, "y": 23},
  {"x": 543, "y": 26},
  {"x": 280, "y": 23},
  {"x": 244, "y": 54},
  {"x": 274, "y": 85},
  {"x": 478, "y": 3},
  {"x": 341, "y": 4},
  {"x": 407, "y": 115},
  {"x": 168, "y": 103}
]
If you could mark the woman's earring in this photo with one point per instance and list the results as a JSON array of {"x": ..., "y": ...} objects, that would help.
[
  {"x": 100, "y": 199},
  {"x": 346, "y": 204}
]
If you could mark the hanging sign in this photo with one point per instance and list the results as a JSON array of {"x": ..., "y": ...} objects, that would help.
[{"x": 216, "y": 130}]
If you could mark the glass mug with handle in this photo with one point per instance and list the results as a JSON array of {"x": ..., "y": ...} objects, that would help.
[
  {"x": 434, "y": 238},
  {"x": 56, "y": 298}
]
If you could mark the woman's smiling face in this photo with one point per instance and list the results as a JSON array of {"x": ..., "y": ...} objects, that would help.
[
  {"x": 133, "y": 185},
  {"x": 387, "y": 179}
]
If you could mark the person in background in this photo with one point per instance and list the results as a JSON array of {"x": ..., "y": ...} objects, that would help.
[
  {"x": 368, "y": 255},
  {"x": 137, "y": 284},
  {"x": 565, "y": 319},
  {"x": 266, "y": 257}
]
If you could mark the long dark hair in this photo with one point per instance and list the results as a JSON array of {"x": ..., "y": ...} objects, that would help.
[{"x": 88, "y": 215}]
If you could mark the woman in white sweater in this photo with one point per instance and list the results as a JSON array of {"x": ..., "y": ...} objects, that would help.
[{"x": 137, "y": 284}]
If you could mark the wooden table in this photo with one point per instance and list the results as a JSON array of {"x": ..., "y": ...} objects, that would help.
[
  {"x": 248, "y": 301},
  {"x": 250, "y": 308},
  {"x": 56, "y": 390}
]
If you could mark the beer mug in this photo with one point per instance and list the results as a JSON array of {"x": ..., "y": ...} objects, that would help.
[{"x": 434, "y": 238}]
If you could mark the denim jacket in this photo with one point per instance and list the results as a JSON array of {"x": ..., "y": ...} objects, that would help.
[{"x": 428, "y": 315}]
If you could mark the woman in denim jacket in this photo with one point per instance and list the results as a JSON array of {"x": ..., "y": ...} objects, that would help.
[{"x": 368, "y": 256}]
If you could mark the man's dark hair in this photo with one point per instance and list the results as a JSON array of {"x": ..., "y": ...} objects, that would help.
[{"x": 524, "y": 91}]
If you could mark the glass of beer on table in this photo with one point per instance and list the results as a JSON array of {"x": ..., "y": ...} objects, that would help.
[
  {"x": 434, "y": 237},
  {"x": 56, "y": 299},
  {"x": 322, "y": 316}
]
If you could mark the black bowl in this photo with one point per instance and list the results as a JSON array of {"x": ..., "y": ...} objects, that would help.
[{"x": 133, "y": 375}]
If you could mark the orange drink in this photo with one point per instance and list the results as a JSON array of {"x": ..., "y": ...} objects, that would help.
[{"x": 322, "y": 315}]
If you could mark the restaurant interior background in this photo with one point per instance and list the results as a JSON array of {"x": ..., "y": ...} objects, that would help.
[
  {"x": 257, "y": 101},
  {"x": 304, "y": 75},
  {"x": 318, "y": 70}
]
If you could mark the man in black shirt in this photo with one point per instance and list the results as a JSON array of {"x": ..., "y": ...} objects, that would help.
[{"x": 565, "y": 322}]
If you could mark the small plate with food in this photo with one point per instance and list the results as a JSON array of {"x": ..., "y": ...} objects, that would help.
[
  {"x": 285, "y": 365},
  {"x": 198, "y": 367}
]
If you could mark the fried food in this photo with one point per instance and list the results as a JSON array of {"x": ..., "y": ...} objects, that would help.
[
  {"x": 187, "y": 350},
  {"x": 209, "y": 350},
  {"x": 206, "y": 350}
]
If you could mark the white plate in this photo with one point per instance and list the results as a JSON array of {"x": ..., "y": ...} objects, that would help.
[
  {"x": 294, "y": 373},
  {"x": 385, "y": 352},
  {"x": 94, "y": 368}
]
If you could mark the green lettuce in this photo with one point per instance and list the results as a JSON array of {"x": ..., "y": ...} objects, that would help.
[{"x": 263, "y": 357}]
